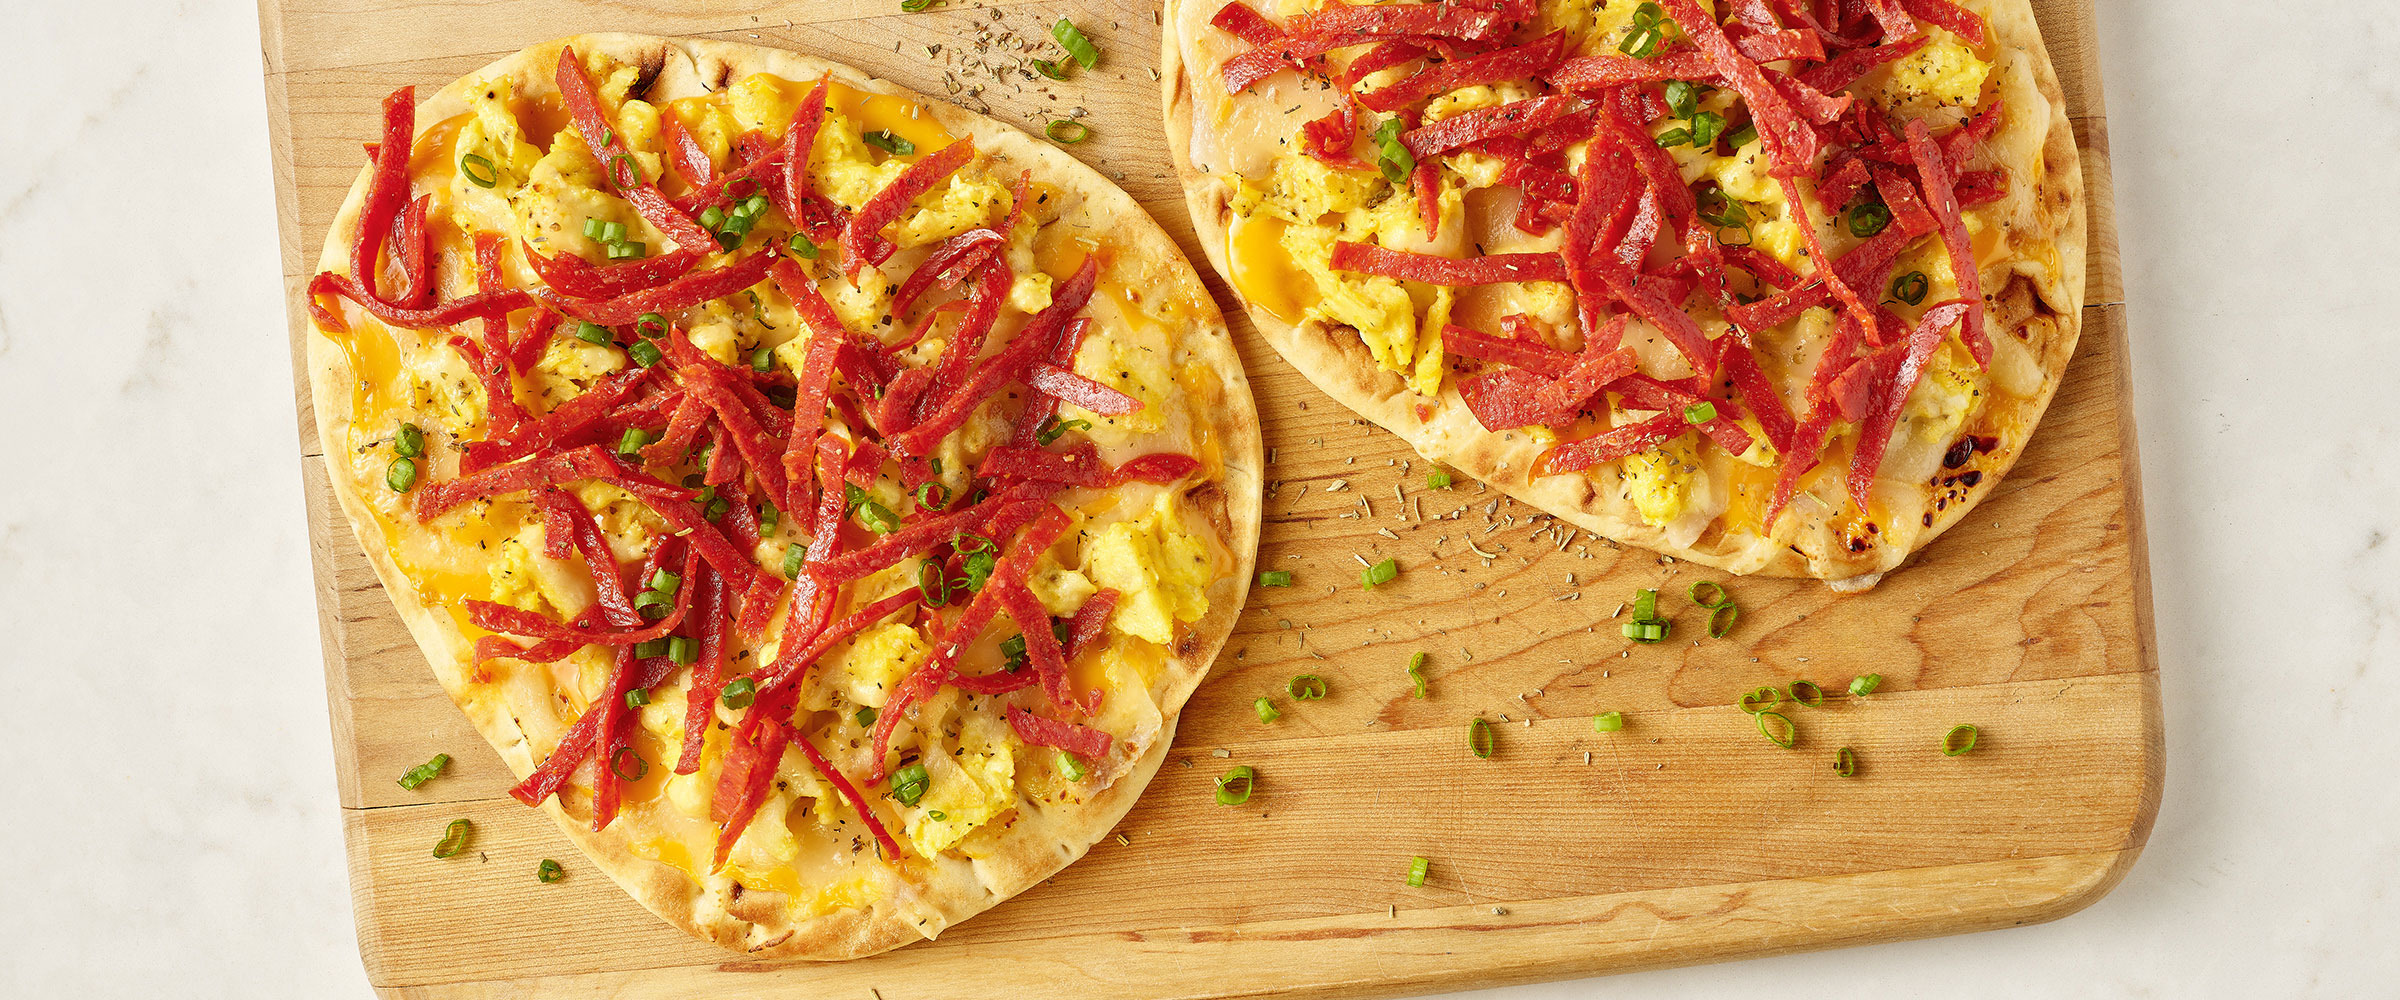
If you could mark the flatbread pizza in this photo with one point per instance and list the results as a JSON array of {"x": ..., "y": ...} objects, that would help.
[
  {"x": 824, "y": 498},
  {"x": 1778, "y": 286}
]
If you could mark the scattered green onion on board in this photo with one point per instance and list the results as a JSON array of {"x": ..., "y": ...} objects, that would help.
[
  {"x": 1845, "y": 762},
  {"x": 1781, "y": 732},
  {"x": 1721, "y": 611},
  {"x": 1808, "y": 693},
  {"x": 1086, "y": 55},
  {"x": 1306, "y": 687},
  {"x": 454, "y": 839},
  {"x": 1479, "y": 738},
  {"x": 1438, "y": 479},
  {"x": 1234, "y": 787},
  {"x": 1608, "y": 722},
  {"x": 1380, "y": 573},
  {"x": 1865, "y": 684},
  {"x": 1067, "y": 131},
  {"x": 1761, "y": 699},
  {"x": 1267, "y": 712},
  {"x": 1275, "y": 578},
  {"x": 1416, "y": 671},
  {"x": 424, "y": 772},
  {"x": 1960, "y": 739},
  {"x": 1417, "y": 869},
  {"x": 548, "y": 872}
]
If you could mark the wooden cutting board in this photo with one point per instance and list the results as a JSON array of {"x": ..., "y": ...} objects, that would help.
[{"x": 1684, "y": 838}]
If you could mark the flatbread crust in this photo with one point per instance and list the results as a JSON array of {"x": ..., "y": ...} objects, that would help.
[
  {"x": 2036, "y": 299},
  {"x": 1040, "y": 840}
]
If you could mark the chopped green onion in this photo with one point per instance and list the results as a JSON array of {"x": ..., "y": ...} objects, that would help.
[
  {"x": 454, "y": 839},
  {"x": 1479, "y": 738},
  {"x": 1865, "y": 684},
  {"x": 400, "y": 475},
  {"x": 1677, "y": 136},
  {"x": 712, "y": 217},
  {"x": 1608, "y": 722},
  {"x": 633, "y": 441},
  {"x": 650, "y": 325},
  {"x": 594, "y": 230},
  {"x": 478, "y": 170},
  {"x": 1717, "y": 208},
  {"x": 1959, "y": 740},
  {"x": 908, "y": 784},
  {"x": 1076, "y": 45},
  {"x": 1782, "y": 734},
  {"x": 637, "y": 697},
  {"x": 408, "y": 441},
  {"x": 424, "y": 772},
  {"x": 593, "y": 333},
  {"x": 1652, "y": 630},
  {"x": 1235, "y": 786},
  {"x": 1868, "y": 219},
  {"x": 1645, "y": 604},
  {"x": 612, "y": 232},
  {"x": 1845, "y": 762},
  {"x": 1416, "y": 871},
  {"x": 762, "y": 359},
  {"x": 627, "y": 250},
  {"x": 1718, "y": 601},
  {"x": 934, "y": 463},
  {"x": 681, "y": 650},
  {"x": 878, "y": 518},
  {"x": 1275, "y": 578},
  {"x": 1747, "y": 135},
  {"x": 1761, "y": 699},
  {"x": 865, "y": 716},
  {"x": 1706, "y": 126},
  {"x": 1267, "y": 712},
  {"x": 929, "y": 498},
  {"x": 914, "y": 6},
  {"x": 739, "y": 692},
  {"x": 1911, "y": 287},
  {"x": 1306, "y": 687},
  {"x": 1054, "y": 69},
  {"x": 1012, "y": 653},
  {"x": 802, "y": 246},
  {"x": 644, "y": 353},
  {"x": 650, "y": 650},
  {"x": 1808, "y": 693},
  {"x": 1380, "y": 573},
  {"x": 883, "y": 139},
  {"x": 1391, "y": 157},
  {"x": 1641, "y": 43},
  {"x": 1067, "y": 131},
  {"x": 548, "y": 872},
  {"x": 1683, "y": 98},
  {"x": 936, "y": 815},
  {"x": 793, "y": 556},
  {"x": 978, "y": 568},
  {"x": 1051, "y": 427},
  {"x": 752, "y": 206},
  {"x": 1438, "y": 479},
  {"x": 1416, "y": 671},
  {"x": 1721, "y": 621},
  {"x": 768, "y": 516},
  {"x": 932, "y": 585},
  {"x": 1700, "y": 412},
  {"x": 1070, "y": 765}
]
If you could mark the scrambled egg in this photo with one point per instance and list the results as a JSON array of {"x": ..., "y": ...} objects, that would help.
[
  {"x": 967, "y": 787},
  {"x": 1377, "y": 306},
  {"x": 1660, "y": 481},
  {"x": 1945, "y": 73},
  {"x": 1947, "y": 395},
  {"x": 569, "y": 366},
  {"x": 1060, "y": 590},
  {"x": 524, "y": 578},
  {"x": 877, "y": 660},
  {"x": 1159, "y": 569},
  {"x": 491, "y": 132},
  {"x": 1129, "y": 363}
]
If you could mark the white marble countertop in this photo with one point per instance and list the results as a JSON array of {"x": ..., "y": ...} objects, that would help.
[{"x": 181, "y": 837}]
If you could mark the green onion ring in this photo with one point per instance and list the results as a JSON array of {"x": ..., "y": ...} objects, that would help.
[
  {"x": 1479, "y": 738},
  {"x": 1608, "y": 722},
  {"x": 1789, "y": 734},
  {"x": 1814, "y": 696},
  {"x": 488, "y": 178},
  {"x": 1761, "y": 699},
  {"x": 1070, "y": 765},
  {"x": 548, "y": 872},
  {"x": 1416, "y": 671},
  {"x": 1721, "y": 620},
  {"x": 1067, "y": 131},
  {"x": 1721, "y": 599},
  {"x": 1306, "y": 687},
  {"x": 1417, "y": 868},
  {"x": 1076, "y": 45},
  {"x": 616, "y": 764},
  {"x": 1845, "y": 762},
  {"x": 1267, "y": 712},
  {"x": 454, "y": 839},
  {"x": 1865, "y": 684},
  {"x": 1951, "y": 747},
  {"x": 1235, "y": 786}
]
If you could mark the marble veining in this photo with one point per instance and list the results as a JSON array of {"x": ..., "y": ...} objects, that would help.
[{"x": 172, "y": 816}]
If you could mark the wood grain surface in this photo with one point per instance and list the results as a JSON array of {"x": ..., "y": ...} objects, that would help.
[{"x": 1683, "y": 838}]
